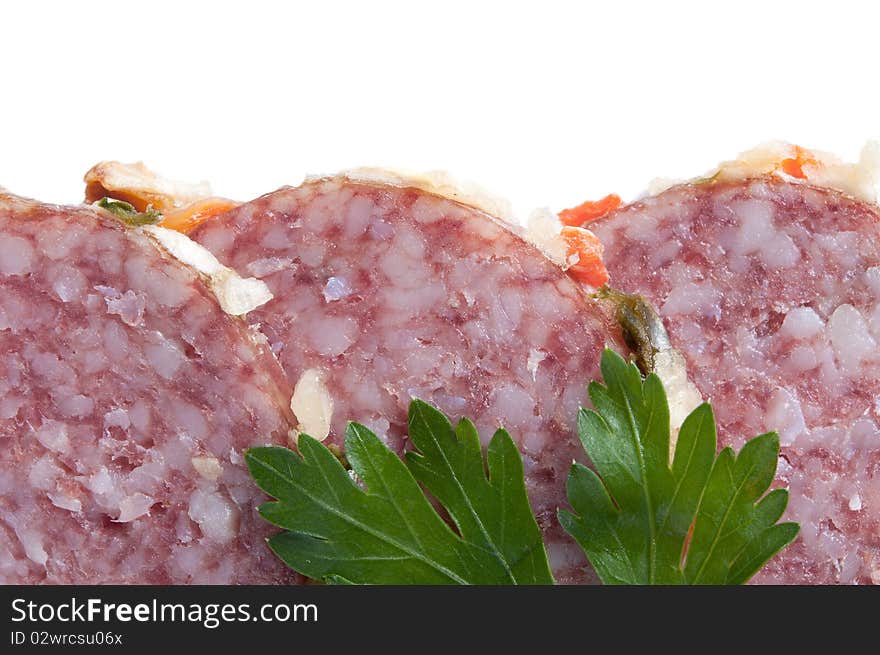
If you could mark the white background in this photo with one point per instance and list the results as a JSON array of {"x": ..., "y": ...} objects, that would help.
[{"x": 546, "y": 103}]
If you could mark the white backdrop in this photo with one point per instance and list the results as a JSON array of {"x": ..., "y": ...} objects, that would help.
[{"x": 546, "y": 103}]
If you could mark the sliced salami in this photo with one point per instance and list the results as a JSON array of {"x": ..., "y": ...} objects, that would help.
[
  {"x": 126, "y": 398},
  {"x": 384, "y": 293},
  {"x": 770, "y": 288}
]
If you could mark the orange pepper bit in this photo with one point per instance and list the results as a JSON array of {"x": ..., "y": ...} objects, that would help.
[
  {"x": 187, "y": 218},
  {"x": 590, "y": 210},
  {"x": 794, "y": 166},
  {"x": 585, "y": 249}
]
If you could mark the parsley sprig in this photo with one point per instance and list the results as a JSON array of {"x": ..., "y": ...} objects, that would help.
[
  {"x": 389, "y": 533},
  {"x": 701, "y": 520}
]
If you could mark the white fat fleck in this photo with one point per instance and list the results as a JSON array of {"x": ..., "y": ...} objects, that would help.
[
  {"x": 74, "y": 405},
  {"x": 698, "y": 298},
  {"x": 53, "y": 435},
  {"x": 268, "y": 265},
  {"x": 100, "y": 481},
  {"x": 563, "y": 555},
  {"x": 872, "y": 277},
  {"x": 855, "y": 502},
  {"x": 134, "y": 506},
  {"x": 65, "y": 502},
  {"x": 164, "y": 356},
  {"x": 32, "y": 542},
  {"x": 129, "y": 306},
  {"x": 801, "y": 358},
  {"x": 44, "y": 472},
  {"x": 189, "y": 419},
  {"x": 336, "y": 288},
  {"x": 16, "y": 255},
  {"x": 9, "y": 406},
  {"x": 312, "y": 405},
  {"x": 69, "y": 283},
  {"x": 236, "y": 295},
  {"x": 784, "y": 414},
  {"x": 802, "y": 323},
  {"x": 536, "y": 356},
  {"x": 756, "y": 226},
  {"x": 758, "y": 234},
  {"x": 117, "y": 418},
  {"x": 216, "y": 516},
  {"x": 543, "y": 231},
  {"x": 515, "y": 408},
  {"x": 208, "y": 467},
  {"x": 850, "y": 338},
  {"x": 780, "y": 252}
]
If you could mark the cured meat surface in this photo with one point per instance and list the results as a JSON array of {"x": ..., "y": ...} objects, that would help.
[
  {"x": 384, "y": 294},
  {"x": 771, "y": 291},
  {"x": 126, "y": 398}
]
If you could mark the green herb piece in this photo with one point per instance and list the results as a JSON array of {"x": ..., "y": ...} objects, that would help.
[
  {"x": 640, "y": 324},
  {"x": 492, "y": 513},
  {"x": 634, "y": 518},
  {"x": 128, "y": 214},
  {"x": 390, "y": 533}
]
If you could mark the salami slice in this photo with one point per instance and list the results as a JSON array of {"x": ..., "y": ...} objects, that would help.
[
  {"x": 384, "y": 293},
  {"x": 126, "y": 399},
  {"x": 770, "y": 288}
]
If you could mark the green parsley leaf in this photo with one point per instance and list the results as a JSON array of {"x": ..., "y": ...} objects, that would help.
[
  {"x": 390, "y": 533},
  {"x": 128, "y": 214},
  {"x": 492, "y": 513},
  {"x": 633, "y": 516}
]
